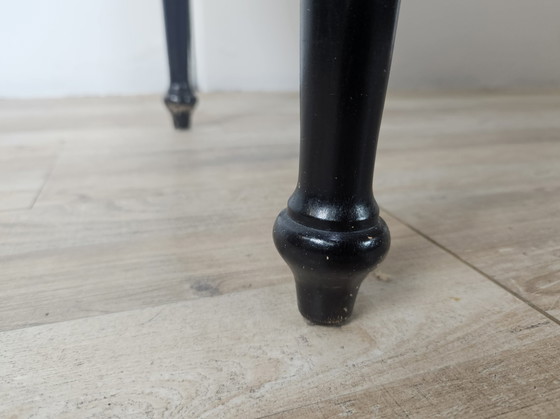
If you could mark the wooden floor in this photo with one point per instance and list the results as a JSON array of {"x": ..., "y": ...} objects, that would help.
[{"x": 138, "y": 276}]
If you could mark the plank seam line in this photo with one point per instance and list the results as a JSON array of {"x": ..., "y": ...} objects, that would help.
[
  {"x": 47, "y": 178},
  {"x": 473, "y": 267}
]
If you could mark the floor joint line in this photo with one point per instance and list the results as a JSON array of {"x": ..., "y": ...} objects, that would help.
[
  {"x": 473, "y": 267},
  {"x": 47, "y": 178}
]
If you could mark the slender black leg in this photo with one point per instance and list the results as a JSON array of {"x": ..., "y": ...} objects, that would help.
[
  {"x": 331, "y": 234},
  {"x": 180, "y": 99}
]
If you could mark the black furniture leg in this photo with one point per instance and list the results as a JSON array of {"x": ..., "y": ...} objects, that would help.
[
  {"x": 180, "y": 99},
  {"x": 331, "y": 234}
]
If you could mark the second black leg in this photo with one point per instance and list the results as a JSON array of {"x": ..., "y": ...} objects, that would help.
[{"x": 180, "y": 98}]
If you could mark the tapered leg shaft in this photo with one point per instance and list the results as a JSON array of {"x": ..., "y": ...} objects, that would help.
[
  {"x": 180, "y": 98},
  {"x": 331, "y": 234}
]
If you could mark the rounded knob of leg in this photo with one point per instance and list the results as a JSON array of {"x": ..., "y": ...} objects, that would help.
[
  {"x": 181, "y": 102},
  {"x": 329, "y": 266}
]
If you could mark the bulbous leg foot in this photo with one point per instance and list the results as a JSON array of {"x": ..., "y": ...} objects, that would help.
[
  {"x": 181, "y": 110},
  {"x": 329, "y": 266}
]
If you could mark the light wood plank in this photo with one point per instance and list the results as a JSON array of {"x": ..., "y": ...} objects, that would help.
[
  {"x": 494, "y": 385},
  {"x": 480, "y": 174},
  {"x": 138, "y": 244},
  {"x": 23, "y": 172},
  {"x": 433, "y": 323},
  {"x": 134, "y": 217},
  {"x": 143, "y": 282},
  {"x": 223, "y": 113}
]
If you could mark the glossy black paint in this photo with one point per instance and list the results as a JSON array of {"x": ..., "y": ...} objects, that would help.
[
  {"x": 180, "y": 98},
  {"x": 331, "y": 234}
]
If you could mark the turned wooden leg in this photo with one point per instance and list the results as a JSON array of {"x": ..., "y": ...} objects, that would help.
[
  {"x": 331, "y": 234},
  {"x": 180, "y": 99}
]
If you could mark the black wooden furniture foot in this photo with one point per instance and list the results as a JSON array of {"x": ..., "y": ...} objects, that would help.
[
  {"x": 182, "y": 120},
  {"x": 180, "y": 99},
  {"x": 331, "y": 234},
  {"x": 329, "y": 265},
  {"x": 180, "y": 103}
]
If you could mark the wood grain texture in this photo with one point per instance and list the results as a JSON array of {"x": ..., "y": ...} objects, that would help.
[
  {"x": 432, "y": 323},
  {"x": 143, "y": 281},
  {"x": 138, "y": 216},
  {"x": 24, "y": 170},
  {"x": 494, "y": 385},
  {"x": 480, "y": 175}
]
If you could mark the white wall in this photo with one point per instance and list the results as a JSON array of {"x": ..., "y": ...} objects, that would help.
[
  {"x": 247, "y": 44},
  {"x": 454, "y": 44},
  {"x": 77, "y": 47}
]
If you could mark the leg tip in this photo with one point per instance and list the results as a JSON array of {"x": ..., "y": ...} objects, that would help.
[
  {"x": 326, "y": 306},
  {"x": 181, "y": 109},
  {"x": 182, "y": 120}
]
